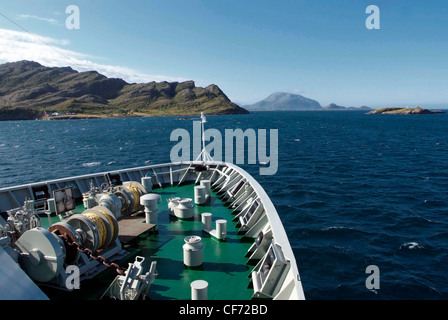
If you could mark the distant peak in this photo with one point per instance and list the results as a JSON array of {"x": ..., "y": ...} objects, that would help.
[
  {"x": 214, "y": 89},
  {"x": 286, "y": 101},
  {"x": 333, "y": 106},
  {"x": 24, "y": 64},
  {"x": 281, "y": 93},
  {"x": 27, "y": 63}
]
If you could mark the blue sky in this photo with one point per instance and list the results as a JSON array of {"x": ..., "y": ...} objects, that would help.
[{"x": 319, "y": 49}]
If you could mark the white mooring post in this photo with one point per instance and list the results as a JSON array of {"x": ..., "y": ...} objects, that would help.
[{"x": 199, "y": 290}]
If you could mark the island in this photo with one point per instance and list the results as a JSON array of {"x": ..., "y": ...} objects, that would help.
[
  {"x": 416, "y": 110},
  {"x": 31, "y": 91},
  {"x": 335, "y": 107},
  {"x": 284, "y": 101}
]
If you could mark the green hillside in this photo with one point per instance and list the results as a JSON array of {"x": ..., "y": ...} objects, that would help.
[{"x": 28, "y": 89}]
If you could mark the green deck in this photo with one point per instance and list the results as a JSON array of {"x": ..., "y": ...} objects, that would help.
[{"x": 224, "y": 266}]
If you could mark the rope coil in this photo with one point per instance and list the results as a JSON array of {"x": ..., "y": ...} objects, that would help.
[
  {"x": 102, "y": 232},
  {"x": 113, "y": 223},
  {"x": 136, "y": 195}
]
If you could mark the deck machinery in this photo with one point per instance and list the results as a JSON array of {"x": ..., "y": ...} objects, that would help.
[{"x": 87, "y": 238}]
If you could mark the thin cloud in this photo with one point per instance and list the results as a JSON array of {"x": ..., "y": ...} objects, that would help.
[
  {"x": 298, "y": 91},
  {"x": 17, "y": 45},
  {"x": 29, "y": 16}
]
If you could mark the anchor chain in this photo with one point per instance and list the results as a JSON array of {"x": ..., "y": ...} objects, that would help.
[{"x": 94, "y": 255}]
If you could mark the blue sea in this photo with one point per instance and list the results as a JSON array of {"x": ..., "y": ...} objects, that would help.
[{"x": 352, "y": 189}]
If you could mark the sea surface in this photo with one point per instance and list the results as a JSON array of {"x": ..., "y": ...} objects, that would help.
[{"x": 352, "y": 189}]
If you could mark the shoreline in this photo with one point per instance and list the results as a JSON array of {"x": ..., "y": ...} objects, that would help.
[{"x": 111, "y": 116}]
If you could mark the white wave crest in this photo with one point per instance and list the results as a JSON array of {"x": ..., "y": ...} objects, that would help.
[
  {"x": 91, "y": 164},
  {"x": 411, "y": 246}
]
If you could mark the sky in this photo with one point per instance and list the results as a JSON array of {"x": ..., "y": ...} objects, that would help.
[{"x": 320, "y": 49}]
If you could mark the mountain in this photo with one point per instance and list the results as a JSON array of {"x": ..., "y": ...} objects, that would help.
[
  {"x": 333, "y": 106},
  {"x": 285, "y": 102},
  {"x": 27, "y": 89}
]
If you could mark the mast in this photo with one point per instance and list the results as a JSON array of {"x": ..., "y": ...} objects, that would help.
[
  {"x": 203, "y": 156},
  {"x": 203, "y": 121}
]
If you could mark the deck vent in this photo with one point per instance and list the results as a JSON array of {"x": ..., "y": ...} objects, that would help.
[
  {"x": 150, "y": 201},
  {"x": 193, "y": 252}
]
